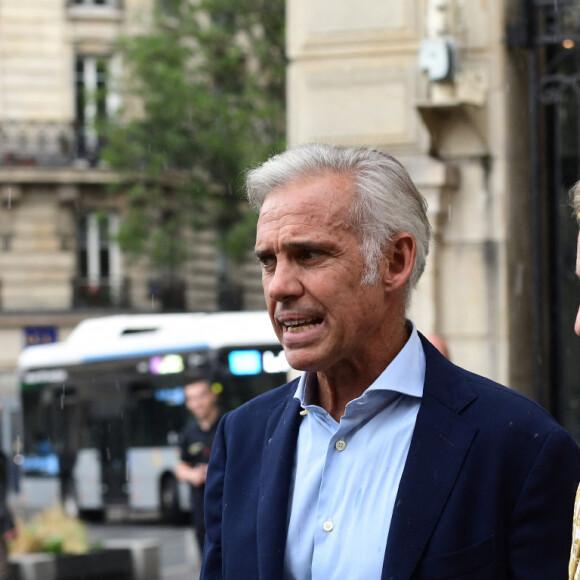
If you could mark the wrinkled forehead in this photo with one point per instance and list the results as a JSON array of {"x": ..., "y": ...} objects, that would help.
[{"x": 331, "y": 192}]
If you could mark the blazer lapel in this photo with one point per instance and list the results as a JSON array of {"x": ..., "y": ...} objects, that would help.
[
  {"x": 275, "y": 479},
  {"x": 439, "y": 445}
]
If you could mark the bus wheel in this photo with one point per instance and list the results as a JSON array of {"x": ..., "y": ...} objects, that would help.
[{"x": 169, "y": 499}]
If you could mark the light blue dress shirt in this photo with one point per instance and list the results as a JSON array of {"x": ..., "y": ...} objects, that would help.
[{"x": 347, "y": 474}]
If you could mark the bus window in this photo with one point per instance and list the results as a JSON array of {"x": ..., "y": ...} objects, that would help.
[
  {"x": 244, "y": 373},
  {"x": 157, "y": 414}
]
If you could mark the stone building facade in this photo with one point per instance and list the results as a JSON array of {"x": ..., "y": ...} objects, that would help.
[
  {"x": 464, "y": 93},
  {"x": 356, "y": 78},
  {"x": 453, "y": 88},
  {"x": 59, "y": 262}
]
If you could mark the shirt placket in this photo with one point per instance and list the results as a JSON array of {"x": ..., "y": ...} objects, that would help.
[{"x": 327, "y": 536}]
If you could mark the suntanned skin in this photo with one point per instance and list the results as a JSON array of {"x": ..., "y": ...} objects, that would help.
[{"x": 311, "y": 271}]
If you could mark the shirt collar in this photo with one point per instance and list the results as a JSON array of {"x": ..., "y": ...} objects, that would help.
[{"x": 405, "y": 374}]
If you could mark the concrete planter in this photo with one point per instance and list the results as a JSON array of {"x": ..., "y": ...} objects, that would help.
[{"x": 120, "y": 560}]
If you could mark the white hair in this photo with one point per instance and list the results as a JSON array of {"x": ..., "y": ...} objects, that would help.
[{"x": 386, "y": 201}]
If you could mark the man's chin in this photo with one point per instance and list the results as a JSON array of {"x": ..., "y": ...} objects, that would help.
[{"x": 302, "y": 361}]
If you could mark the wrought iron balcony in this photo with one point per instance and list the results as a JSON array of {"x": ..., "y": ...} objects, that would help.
[
  {"x": 47, "y": 144},
  {"x": 117, "y": 4},
  {"x": 100, "y": 293}
]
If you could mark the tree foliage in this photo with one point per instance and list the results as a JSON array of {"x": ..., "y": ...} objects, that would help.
[{"x": 208, "y": 78}]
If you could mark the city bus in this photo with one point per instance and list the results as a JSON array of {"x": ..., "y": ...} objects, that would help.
[{"x": 102, "y": 410}]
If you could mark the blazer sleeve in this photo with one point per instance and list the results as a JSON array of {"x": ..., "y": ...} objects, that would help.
[
  {"x": 214, "y": 487},
  {"x": 541, "y": 523}
]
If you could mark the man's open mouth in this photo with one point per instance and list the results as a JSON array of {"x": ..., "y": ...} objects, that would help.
[{"x": 295, "y": 326}]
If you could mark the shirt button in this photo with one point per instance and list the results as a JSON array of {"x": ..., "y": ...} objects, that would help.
[
  {"x": 328, "y": 526},
  {"x": 340, "y": 445}
]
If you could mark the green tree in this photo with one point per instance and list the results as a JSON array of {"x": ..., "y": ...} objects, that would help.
[{"x": 206, "y": 84}]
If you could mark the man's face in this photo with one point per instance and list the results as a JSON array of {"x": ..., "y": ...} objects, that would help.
[
  {"x": 199, "y": 399},
  {"x": 311, "y": 273},
  {"x": 577, "y": 323}
]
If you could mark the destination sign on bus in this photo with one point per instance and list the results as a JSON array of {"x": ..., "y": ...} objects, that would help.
[
  {"x": 241, "y": 362},
  {"x": 166, "y": 364},
  {"x": 253, "y": 362}
]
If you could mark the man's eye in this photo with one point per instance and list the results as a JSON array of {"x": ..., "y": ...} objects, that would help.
[
  {"x": 308, "y": 255},
  {"x": 266, "y": 262}
]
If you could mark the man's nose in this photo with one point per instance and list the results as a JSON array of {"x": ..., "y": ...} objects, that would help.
[{"x": 284, "y": 284}]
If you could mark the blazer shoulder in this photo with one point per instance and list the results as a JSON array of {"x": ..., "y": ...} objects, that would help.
[
  {"x": 506, "y": 398},
  {"x": 480, "y": 399},
  {"x": 507, "y": 414}
]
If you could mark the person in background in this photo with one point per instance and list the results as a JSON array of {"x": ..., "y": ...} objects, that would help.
[
  {"x": 439, "y": 343},
  {"x": 196, "y": 441},
  {"x": 384, "y": 459},
  {"x": 574, "y": 567},
  {"x": 7, "y": 527}
]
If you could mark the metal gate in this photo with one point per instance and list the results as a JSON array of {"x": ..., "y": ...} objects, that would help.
[{"x": 549, "y": 33}]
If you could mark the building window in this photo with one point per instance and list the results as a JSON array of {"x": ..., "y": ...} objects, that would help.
[
  {"x": 96, "y": 98},
  {"x": 90, "y": 103},
  {"x": 99, "y": 254},
  {"x": 99, "y": 281}
]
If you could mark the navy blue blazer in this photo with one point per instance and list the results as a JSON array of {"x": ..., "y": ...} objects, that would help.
[{"x": 487, "y": 491}]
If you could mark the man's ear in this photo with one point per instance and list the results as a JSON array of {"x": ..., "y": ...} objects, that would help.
[{"x": 400, "y": 260}]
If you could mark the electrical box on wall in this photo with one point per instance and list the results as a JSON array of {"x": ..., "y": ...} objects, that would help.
[{"x": 437, "y": 58}]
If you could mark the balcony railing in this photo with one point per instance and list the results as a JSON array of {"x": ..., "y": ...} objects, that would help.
[
  {"x": 46, "y": 144},
  {"x": 100, "y": 293},
  {"x": 117, "y": 4}
]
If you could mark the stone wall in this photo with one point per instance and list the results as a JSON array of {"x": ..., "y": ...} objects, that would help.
[{"x": 354, "y": 78}]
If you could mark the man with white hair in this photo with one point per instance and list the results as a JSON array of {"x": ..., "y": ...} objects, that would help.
[{"x": 383, "y": 460}]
